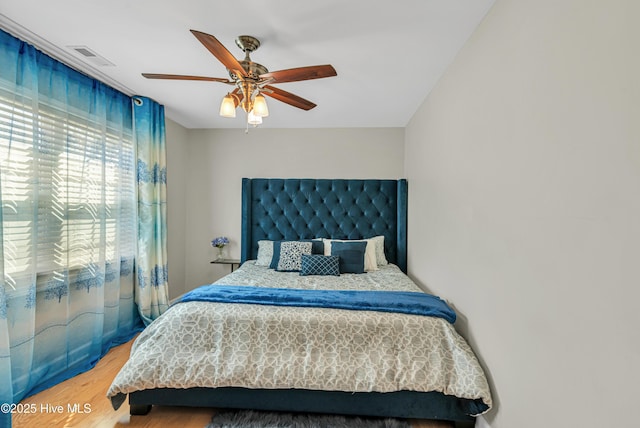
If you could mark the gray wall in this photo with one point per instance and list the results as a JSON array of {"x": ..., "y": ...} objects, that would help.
[
  {"x": 177, "y": 143},
  {"x": 210, "y": 164},
  {"x": 524, "y": 188}
]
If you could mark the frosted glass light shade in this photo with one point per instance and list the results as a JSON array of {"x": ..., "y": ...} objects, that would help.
[
  {"x": 228, "y": 107},
  {"x": 252, "y": 119},
  {"x": 260, "y": 106}
]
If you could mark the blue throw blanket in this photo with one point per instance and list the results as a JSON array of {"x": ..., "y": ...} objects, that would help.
[{"x": 406, "y": 302}]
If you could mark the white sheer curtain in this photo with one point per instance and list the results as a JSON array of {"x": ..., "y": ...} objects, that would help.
[
  {"x": 68, "y": 221},
  {"x": 152, "y": 287}
]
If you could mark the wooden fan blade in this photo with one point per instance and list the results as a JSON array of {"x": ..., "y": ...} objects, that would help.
[
  {"x": 181, "y": 77},
  {"x": 219, "y": 51},
  {"x": 288, "y": 97},
  {"x": 301, "y": 73}
]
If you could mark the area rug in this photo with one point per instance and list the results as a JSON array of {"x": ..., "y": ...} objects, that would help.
[{"x": 255, "y": 419}]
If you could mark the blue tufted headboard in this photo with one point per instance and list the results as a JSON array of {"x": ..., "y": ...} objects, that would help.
[{"x": 276, "y": 209}]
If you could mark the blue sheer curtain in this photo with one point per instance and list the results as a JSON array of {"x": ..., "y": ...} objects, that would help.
[
  {"x": 67, "y": 221},
  {"x": 152, "y": 288}
]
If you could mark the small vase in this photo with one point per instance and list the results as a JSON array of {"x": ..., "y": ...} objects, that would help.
[{"x": 220, "y": 253}]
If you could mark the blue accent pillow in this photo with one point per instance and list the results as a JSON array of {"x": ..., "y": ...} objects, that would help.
[
  {"x": 317, "y": 246},
  {"x": 275, "y": 255},
  {"x": 351, "y": 255},
  {"x": 315, "y": 264}
]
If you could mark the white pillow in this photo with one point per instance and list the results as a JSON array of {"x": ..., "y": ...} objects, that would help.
[
  {"x": 291, "y": 255},
  {"x": 265, "y": 253},
  {"x": 370, "y": 263},
  {"x": 381, "y": 259}
]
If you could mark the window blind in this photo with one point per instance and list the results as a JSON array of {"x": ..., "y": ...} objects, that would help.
[{"x": 68, "y": 190}]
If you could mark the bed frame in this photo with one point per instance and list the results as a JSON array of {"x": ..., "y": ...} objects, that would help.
[{"x": 294, "y": 209}]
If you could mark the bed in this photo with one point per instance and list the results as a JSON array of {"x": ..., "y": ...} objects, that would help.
[{"x": 429, "y": 375}]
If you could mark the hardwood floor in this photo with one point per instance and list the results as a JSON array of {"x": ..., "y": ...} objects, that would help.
[{"x": 81, "y": 402}]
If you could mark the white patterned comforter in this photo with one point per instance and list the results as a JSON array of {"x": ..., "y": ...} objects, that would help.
[{"x": 202, "y": 344}]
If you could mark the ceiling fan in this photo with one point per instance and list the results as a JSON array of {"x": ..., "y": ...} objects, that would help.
[{"x": 252, "y": 80}]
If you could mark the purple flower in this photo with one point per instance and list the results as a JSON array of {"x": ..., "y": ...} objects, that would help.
[{"x": 220, "y": 241}]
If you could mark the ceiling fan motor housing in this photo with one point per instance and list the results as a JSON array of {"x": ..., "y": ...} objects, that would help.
[
  {"x": 253, "y": 69},
  {"x": 249, "y": 44}
]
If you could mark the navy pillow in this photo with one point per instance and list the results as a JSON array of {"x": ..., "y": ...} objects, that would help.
[
  {"x": 317, "y": 246},
  {"x": 316, "y": 264},
  {"x": 351, "y": 255},
  {"x": 276, "y": 255}
]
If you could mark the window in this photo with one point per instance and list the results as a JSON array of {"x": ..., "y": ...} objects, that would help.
[{"x": 68, "y": 191}]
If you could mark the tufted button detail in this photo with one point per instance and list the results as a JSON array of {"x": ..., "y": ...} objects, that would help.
[{"x": 301, "y": 208}]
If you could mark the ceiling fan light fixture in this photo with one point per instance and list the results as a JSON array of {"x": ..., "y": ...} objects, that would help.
[
  {"x": 253, "y": 119},
  {"x": 228, "y": 106},
  {"x": 260, "y": 108}
]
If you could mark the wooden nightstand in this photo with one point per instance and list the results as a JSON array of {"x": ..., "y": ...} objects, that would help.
[{"x": 231, "y": 262}]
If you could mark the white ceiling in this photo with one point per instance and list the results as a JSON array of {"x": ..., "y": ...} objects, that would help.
[{"x": 388, "y": 55}]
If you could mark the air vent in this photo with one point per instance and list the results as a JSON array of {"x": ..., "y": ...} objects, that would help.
[{"x": 92, "y": 57}]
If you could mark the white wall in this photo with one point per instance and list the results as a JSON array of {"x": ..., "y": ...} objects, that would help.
[
  {"x": 524, "y": 207},
  {"x": 217, "y": 160}
]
